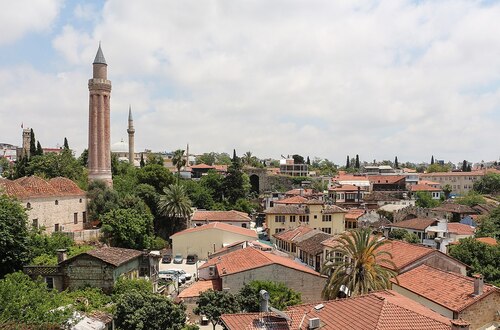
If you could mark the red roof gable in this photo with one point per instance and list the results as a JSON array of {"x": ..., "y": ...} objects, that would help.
[
  {"x": 225, "y": 216},
  {"x": 220, "y": 226}
]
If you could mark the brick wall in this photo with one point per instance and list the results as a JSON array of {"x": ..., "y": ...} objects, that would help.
[{"x": 483, "y": 311}]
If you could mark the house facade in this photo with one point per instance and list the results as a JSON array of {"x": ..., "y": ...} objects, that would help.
[
  {"x": 232, "y": 217},
  {"x": 460, "y": 182}
]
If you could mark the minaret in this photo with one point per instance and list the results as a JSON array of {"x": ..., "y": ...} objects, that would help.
[
  {"x": 187, "y": 155},
  {"x": 130, "y": 131},
  {"x": 99, "y": 128}
]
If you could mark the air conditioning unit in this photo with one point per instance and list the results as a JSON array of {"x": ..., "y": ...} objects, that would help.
[
  {"x": 314, "y": 323},
  {"x": 211, "y": 271}
]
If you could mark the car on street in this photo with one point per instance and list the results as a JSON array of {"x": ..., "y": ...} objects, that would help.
[
  {"x": 167, "y": 258},
  {"x": 191, "y": 259},
  {"x": 178, "y": 259},
  {"x": 171, "y": 275},
  {"x": 183, "y": 273}
]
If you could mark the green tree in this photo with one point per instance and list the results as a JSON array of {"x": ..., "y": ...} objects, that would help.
[
  {"x": 396, "y": 164},
  {"x": 234, "y": 182},
  {"x": 298, "y": 159},
  {"x": 489, "y": 225},
  {"x": 128, "y": 228},
  {"x": 359, "y": 269},
  {"x": 14, "y": 240},
  {"x": 488, "y": 184},
  {"x": 424, "y": 199},
  {"x": 432, "y": 160},
  {"x": 280, "y": 295},
  {"x": 482, "y": 258},
  {"x": 66, "y": 145},
  {"x": 398, "y": 234},
  {"x": 206, "y": 158},
  {"x": 39, "y": 149},
  {"x": 176, "y": 206},
  {"x": 87, "y": 299},
  {"x": 348, "y": 162},
  {"x": 411, "y": 238},
  {"x": 356, "y": 164},
  {"x": 28, "y": 302},
  {"x": 154, "y": 159},
  {"x": 447, "y": 191},
  {"x": 84, "y": 158},
  {"x": 155, "y": 175},
  {"x": 102, "y": 199},
  {"x": 464, "y": 166},
  {"x": 214, "y": 182},
  {"x": 124, "y": 285},
  {"x": 213, "y": 304},
  {"x": 32, "y": 144},
  {"x": 139, "y": 311},
  {"x": 472, "y": 198},
  {"x": 179, "y": 161},
  {"x": 437, "y": 168},
  {"x": 199, "y": 195},
  {"x": 142, "y": 163}
]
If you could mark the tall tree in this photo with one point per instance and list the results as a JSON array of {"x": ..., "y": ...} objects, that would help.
[
  {"x": 14, "y": 241},
  {"x": 142, "y": 163},
  {"x": 396, "y": 164},
  {"x": 32, "y": 143},
  {"x": 39, "y": 149},
  {"x": 234, "y": 182},
  {"x": 179, "y": 161},
  {"x": 464, "y": 166},
  {"x": 298, "y": 159},
  {"x": 348, "y": 162},
  {"x": 281, "y": 296},
  {"x": 308, "y": 161},
  {"x": 432, "y": 160},
  {"x": 176, "y": 206},
  {"x": 213, "y": 304},
  {"x": 359, "y": 269},
  {"x": 247, "y": 158},
  {"x": 66, "y": 145},
  {"x": 357, "y": 161},
  {"x": 488, "y": 184}
]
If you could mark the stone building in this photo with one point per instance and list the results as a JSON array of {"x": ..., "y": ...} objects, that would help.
[
  {"x": 56, "y": 205},
  {"x": 99, "y": 128},
  {"x": 98, "y": 268}
]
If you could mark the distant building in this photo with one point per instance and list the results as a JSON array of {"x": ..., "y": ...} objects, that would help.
[
  {"x": 8, "y": 151},
  {"x": 232, "y": 217},
  {"x": 460, "y": 182},
  {"x": 288, "y": 167}
]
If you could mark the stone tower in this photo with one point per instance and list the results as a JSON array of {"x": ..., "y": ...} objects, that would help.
[
  {"x": 130, "y": 131},
  {"x": 99, "y": 128},
  {"x": 26, "y": 150}
]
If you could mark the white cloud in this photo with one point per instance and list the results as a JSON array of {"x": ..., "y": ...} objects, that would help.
[
  {"x": 22, "y": 16},
  {"x": 317, "y": 78}
]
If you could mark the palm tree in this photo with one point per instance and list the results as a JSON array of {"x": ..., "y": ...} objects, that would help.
[
  {"x": 247, "y": 158},
  {"x": 176, "y": 206},
  {"x": 355, "y": 266},
  {"x": 179, "y": 161}
]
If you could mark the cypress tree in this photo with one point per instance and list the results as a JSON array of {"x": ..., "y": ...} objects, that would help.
[
  {"x": 464, "y": 166},
  {"x": 396, "y": 164},
  {"x": 469, "y": 168},
  {"x": 357, "y": 161},
  {"x": 432, "y": 160},
  {"x": 32, "y": 144},
  {"x": 308, "y": 162},
  {"x": 348, "y": 162},
  {"x": 66, "y": 146},
  {"x": 142, "y": 163},
  {"x": 39, "y": 150}
]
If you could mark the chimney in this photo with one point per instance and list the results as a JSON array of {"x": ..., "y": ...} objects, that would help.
[
  {"x": 478, "y": 284},
  {"x": 459, "y": 325},
  {"x": 61, "y": 255},
  {"x": 264, "y": 301}
]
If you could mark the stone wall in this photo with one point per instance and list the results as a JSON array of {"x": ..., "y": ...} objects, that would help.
[
  {"x": 87, "y": 271},
  {"x": 416, "y": 212},
  {"x": 309, "y": 285},
  {"x": 482, "y": 312}
]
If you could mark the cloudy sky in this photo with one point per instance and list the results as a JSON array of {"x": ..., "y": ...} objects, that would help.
[{"x": 318, "y": 78}]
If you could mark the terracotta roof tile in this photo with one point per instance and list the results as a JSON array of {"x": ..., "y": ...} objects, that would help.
[
  {"x": 111, "y": 255},
  {"x": 385, "y": 310},
  {"x": 385, "y": 179},
  {"x": 66, "y": 187},
  {"x": 290, "y": 234},
  {"x": 345, "y": 187},
  {"x": 354, "y": 214},
  {"x": 221, "y": 216},
  {"x": 220, "y": 226},
  {"x": 285, "y": 209},
  {"x": 416, "y": 223},
  {"x": 423, "y": 187},
  {"x": 300, "y": 191},
  {"x": 251, "y": 258},
  {"x": 455, "y": 208},
  {"x": 13, "y": 189},
  {"x": 473, "y": 173},
  {"x": 292, "y": 200},
  {"x": 487, "y": 240},
  {"x": 404, "y": 253},
  {"x": 312, "y": 245},
  {"x": 331, "y": 209},
  {"x": 451, "y": 290},
  {"x": 198, "y": 287},
  {"x": 460, "y": 228},
  {"x": 36, "y": 186}
]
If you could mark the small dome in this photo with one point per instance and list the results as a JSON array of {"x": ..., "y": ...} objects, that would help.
[{"x": 119, "y": 147}]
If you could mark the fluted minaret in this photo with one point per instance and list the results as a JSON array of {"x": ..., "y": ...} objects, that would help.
[
  {"x": 99, "y": 128},
  {"x": 130, "y": 131},
  {"x": 187, "y": 155}
]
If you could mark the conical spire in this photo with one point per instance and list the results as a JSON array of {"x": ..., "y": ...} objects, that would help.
[
  {"x": 130, "y": 113},
  {"x": 99, "y": 57}
]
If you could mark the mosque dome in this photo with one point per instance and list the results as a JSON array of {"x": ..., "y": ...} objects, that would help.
[{"x": 119, "y": 147}]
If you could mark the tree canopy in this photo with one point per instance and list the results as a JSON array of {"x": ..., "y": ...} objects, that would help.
[
  {"x": 424, "y": 199},
  {"x": 128, "y": 228},
  {"x": 488, "y": 184},
  {"x": 280, "y": 295},
  {"x": 213, "y": 304}
]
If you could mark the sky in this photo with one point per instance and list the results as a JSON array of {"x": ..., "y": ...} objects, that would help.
[{"x": 319, "y": 78}]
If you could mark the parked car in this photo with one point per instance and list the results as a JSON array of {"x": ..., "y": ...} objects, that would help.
[
  {"x": 178, "y": 259},
  {"x": 182, "y": 273},
  {"x": 166, "y": 259},
  {"x": 171, "y": 275},
  {"x": 191, "y": 259}
]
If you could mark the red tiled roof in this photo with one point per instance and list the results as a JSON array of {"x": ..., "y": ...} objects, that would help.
[
  {"x": 292, "y": 200},
  {"x": 13, "y": 189},
  {"x": 36, "y": 187},
  {"x": 290, "y": 234},
  {"x": 225, "y": 216},
  {"x": 111, "y": 255},
  {"x": 345, "y": 187},
  {"x": 460, "y": 228},
  {"x": 300, "y": 191},
  {"x": 450, "y": 290},
  {"x": 423, "y": 187},
  {"x": 384, "y": 310},
  {"x": 202, "y": 166},
  {"x": 220, "y": 226},
  {"x": 348, "y": 177},
  {"x": 221, "y": 168},
  {"x": 429, "y": 183},
  {"x": 354, "y": 214},
  {"x": 285, "y": 209},
  {"x": 487, "y": 240},
  {"x": 386, "y": 179},
  {"x": 455, "y": 208},
  {"x": 251, "y": 258},
  {"x": 312, "y": 245},
  {"x": 198, "y": 287},
  {"x": 331, "y": 209},
  {"x": 65, "y": 186},
  {"x": 404, "y": 253},
  {"x": 416, "y": 223}
]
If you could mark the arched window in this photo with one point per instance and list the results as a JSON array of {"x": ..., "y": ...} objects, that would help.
[
  {"x": 28, "y": 205},
  {"x": 57, "y": 202}
]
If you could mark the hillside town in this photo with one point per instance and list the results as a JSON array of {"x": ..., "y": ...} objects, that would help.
[{"x": 112, "y": 237}]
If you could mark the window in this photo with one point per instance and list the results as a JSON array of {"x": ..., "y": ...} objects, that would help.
[
  {"x": 50, "y": 282},
  {"x": 80, "y": 200},
  {"x": 35, "y": 223},
  {"x": 303, "y": 218},
  {"x": 57, "y": 202},
  {"x": 279, "y": 218},
  {"x": 327, "y": 218},
  {"x": 75, "y": 218},
  {"x": 279, "y": 230},
  {"x": 271, "y": 204},
  {"x": 326, "y": 230},
  {"x": 244, "y": 225},
  {"x": 292, "y": 218},
  {"x": 84, "y": 216},
  {"x": 315, "y": 216},
  {"x": 28, "y": 205},
  {"x": 56, "y": 227}
]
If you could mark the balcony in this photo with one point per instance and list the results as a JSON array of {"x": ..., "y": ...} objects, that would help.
[{"x": 429, "y": 242}]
